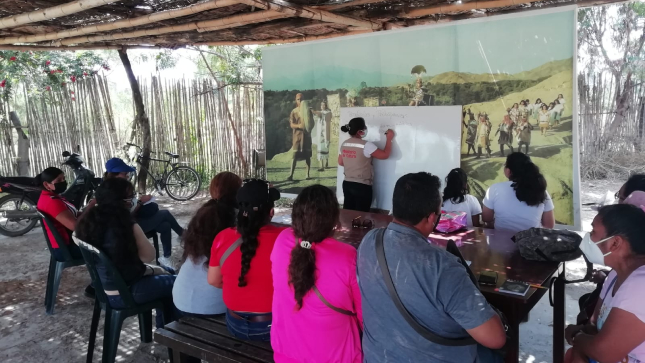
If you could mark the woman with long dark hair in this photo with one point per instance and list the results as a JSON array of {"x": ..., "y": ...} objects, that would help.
[
  {"x": 240, "y": 262},
  {"x": 521, "y": 202},
  {"x": 457, "y": 198},
  {"x": 147, "y": 213},
  {"x": 110, "y": 227},
  {"x": 191, "y": 293},
  {"x": 616, "y": 330},
  {"x": 316, "y": 296},
  {"x": 356, "y": 157}
]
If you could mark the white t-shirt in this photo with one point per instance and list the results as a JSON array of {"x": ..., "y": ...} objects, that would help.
[
  {"x": 629, "y": 297},
  {"x": 470, "y": 205},
  {"x": 369, "y": 149},
  {"x": 510, "y": 213}
]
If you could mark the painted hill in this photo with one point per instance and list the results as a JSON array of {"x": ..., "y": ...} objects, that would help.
[{"x": 543, "y": 71}]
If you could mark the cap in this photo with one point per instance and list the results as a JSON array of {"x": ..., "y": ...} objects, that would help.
[
  {"x": 256, "y": 193},
  {"x": 116, "y": 165}
]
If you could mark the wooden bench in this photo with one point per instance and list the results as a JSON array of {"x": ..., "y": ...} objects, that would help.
[{"x": 209, "y": 340}]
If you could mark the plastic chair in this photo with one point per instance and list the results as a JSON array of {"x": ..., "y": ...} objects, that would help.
[
  {"x": 114, "y": 317},
  {"x": 155, "y": 243},
  {"x": 56, "y": 267}
]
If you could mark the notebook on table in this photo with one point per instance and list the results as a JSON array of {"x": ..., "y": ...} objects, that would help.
[{"x": 515, "y": 287}]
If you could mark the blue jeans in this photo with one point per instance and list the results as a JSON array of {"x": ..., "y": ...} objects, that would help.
[
  {"x": 164, "y": 223},
  {"x": 247, "y": 330},
  {"x": 487, "y": 355},
  {"x": 147, "y": 289}
]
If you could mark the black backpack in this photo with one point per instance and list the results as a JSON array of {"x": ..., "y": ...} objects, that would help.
[{"x": 549, "y": 245}]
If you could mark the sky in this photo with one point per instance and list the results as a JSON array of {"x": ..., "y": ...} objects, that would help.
[{"x": 509, "y": 45}]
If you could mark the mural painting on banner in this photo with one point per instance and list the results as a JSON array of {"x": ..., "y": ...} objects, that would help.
[{"x": 513, "y": 74}]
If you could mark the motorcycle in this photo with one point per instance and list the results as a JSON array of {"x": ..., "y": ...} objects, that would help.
[{"x": 18, "y": 213}]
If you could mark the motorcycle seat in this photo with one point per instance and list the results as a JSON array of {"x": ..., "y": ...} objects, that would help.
[
  {"x": 175, "y": 156},
  {"x": 19, "y": 181}
]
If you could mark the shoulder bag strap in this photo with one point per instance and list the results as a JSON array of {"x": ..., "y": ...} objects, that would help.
[
  {"x": 230, "y": 250},
  {"x": 424, "y": 332},
  {"x": 329, "y": 305}
]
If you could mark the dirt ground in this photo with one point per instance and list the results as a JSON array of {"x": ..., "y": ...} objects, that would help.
[{"x": 27, "y": 334}]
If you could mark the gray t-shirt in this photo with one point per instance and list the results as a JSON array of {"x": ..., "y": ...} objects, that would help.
[
  {"x": 433, "y": 286},
  {"x": 191, "y": 292}
]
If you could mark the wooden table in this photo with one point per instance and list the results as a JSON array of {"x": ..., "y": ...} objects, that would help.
[{"x": 490, "y": 250}]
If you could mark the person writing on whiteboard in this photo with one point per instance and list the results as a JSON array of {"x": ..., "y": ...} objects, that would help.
[
  {"x": 356, "y": 156},
  {"x": 522, "y": 202}
]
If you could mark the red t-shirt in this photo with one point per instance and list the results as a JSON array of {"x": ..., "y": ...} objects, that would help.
[
  {"x": 52, "y": 205},
  {"x": 257, "y": 295}
]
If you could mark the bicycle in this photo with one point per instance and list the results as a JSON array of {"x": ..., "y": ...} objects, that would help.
[{"x": 181, "y": 182}]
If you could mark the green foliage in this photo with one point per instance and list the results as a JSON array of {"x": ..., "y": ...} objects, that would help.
[
  {"x": 42, "y": 71},
  {"x": 164, "y": 59},
  {"x": 233, "y": 65}
]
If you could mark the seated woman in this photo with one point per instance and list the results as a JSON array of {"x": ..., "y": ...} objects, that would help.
[
  {"x": 148, "y": 215},
  {"x": 634, "y": 183},
  {"x": 192, "y": 294},
  {"x": 457, "y": 198},
  {"x": 240, "y": 262},
  {"x": 109, "y": 227},
  {"x": 616, "y": 332},
  {"x": 62, "y": 213},
  {"x": 522, "y": 202},
  {"x": 316, "y": 296}
]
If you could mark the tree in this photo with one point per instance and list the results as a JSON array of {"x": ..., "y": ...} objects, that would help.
[
  {"x": 233, "y": 65},
  {"x": 615, "y": 43},
  {"x": 43, "y": 71}
]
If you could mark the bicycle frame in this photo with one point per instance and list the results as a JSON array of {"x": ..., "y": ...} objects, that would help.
[{"x": 157, "y": 180}]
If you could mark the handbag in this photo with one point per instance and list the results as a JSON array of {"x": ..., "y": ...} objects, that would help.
[{"x": 421, "y": 330}]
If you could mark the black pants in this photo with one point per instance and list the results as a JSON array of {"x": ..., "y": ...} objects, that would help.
[{"x": 358, "y": 196}]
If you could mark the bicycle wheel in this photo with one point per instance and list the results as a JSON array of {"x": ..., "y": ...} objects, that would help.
[{"x": 183, "y": 183}]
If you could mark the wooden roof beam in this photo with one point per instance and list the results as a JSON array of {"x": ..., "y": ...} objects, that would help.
[
  {"x": 466, "y": 6},
  {"x": 311, "y": 13},
  {"x": 206, "y": 25},
  {"x": 39, "y": 48},
  {"x": 348, "y": 4},
  {"x": 289, "y": 40},
  {"x": 120, "y": 24},
  {"x": 51, "y": 13}
]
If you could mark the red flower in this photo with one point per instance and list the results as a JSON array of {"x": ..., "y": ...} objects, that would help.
[
  {"x": 12, "y": 59},
  {"x": 85, "y": 73},
  {"x": 48, "y": 63},
  {"x": 52, "y": 72},
  {"x": 72, "y": 92},
  {"x": 3, "y": 83},
  {"x": 73, "y": 78},
  {"x": 60, "y": 71},
  {"x": 48, "y": 88},
  {"x": 73, "y": 99}
]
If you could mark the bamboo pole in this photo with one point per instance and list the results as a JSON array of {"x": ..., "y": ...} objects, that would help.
[
  {"x": 257, "y": 17},
  {"x": 311, "y": 13},
  {"x": 457, "y": 7},
  {"x": 120, "y": 24},
  {"x": 39, "y": 48},
  {"x": 51, "y": 13},
  {"x": 243, "y": 19},
  {"x": 288, "y": 40},
  {"x": 348, "y": 4}
]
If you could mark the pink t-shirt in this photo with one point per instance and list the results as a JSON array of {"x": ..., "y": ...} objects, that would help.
[
  {"x": 629, "y": 297},
  {"x": 316, "y": 333}
]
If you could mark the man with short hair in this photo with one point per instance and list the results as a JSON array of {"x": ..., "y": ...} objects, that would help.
[{"x": 431, "y": 283}]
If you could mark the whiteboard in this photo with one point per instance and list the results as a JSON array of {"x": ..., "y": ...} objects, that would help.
[{"x": 427, "y": 138}]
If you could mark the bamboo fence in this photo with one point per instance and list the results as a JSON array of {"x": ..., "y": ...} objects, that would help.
[{"x": 186, "y": 117}]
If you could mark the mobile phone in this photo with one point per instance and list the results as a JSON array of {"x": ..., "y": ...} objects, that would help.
[{"x": 488, "y": 278}]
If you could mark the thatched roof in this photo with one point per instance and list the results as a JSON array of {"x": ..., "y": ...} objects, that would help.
[{"x": 174, "y": 23}]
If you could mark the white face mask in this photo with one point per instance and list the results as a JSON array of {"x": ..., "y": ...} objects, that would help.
[
  {"x": 364, "y": 135},
  {"x": 134, "y": 204},
  {"x": 592, "y": 251}
]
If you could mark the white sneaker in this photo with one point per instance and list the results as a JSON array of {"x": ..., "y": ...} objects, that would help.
[{"x": 168, "y": 262}]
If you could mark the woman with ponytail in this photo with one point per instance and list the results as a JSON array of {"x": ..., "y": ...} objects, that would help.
[
  {"x": 355, "y": 156},
  {"x": 240, "y": 264},
  {"x": 316, "y": 296},
  {"x": 522, "y": 202}
]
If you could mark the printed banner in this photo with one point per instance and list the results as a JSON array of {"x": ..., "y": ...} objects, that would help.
[{"x": 513, "y": 75}]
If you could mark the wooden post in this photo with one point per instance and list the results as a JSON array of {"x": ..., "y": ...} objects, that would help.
[
  {"x": 140, "y": 119},
  {"x": 23, "y": 146}
]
